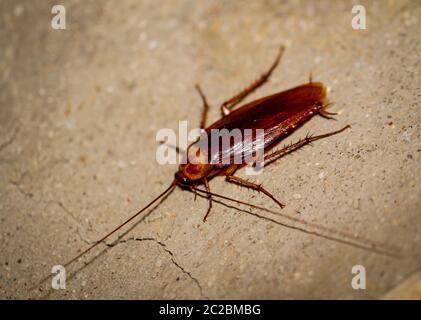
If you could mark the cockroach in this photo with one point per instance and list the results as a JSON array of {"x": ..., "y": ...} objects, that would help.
[{"x": 278, "y": 115}]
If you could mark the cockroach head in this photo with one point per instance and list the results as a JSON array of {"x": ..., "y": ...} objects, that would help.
[{"x": 182, "y": 180}]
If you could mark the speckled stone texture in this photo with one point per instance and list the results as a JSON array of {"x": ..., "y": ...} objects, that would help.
[{"x": 80, "y": 108}]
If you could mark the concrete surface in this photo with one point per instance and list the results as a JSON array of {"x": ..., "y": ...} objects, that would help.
[{"x": 79, "y": 110}]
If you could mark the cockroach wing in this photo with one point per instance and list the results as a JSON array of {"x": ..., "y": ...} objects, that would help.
[{"x": 278, "y": 115}]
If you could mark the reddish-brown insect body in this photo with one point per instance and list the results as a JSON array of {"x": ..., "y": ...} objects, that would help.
[{"x": 278, "y": 115}]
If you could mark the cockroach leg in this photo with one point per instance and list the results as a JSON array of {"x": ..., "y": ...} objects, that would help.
[
  {"x": 310, "y": 78},
  {"x": 205, "y": 181},
  {"x": 247, "y": 184},
  {"x": 228, "y": 105},
  {"x": 269, "y": 158},
  {"x": 326, "y": 114},
  {"x": 194, "y": 190},
  {"x": 176, "y": 148},
  {"x": 205, "y": 107}
]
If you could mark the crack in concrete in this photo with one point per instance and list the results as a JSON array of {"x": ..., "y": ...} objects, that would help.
[
  {"x": 9, "y": 141},
  {"x": 18, "y": 186},
  {"x": 168, "y": 251},
  {"x": 30, "y": 195},
  {"x": 19, "y": 182},
  {"x": 79, "y": 225}
]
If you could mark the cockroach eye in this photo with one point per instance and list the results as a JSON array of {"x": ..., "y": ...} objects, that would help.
[{"x": 181, "y": 180}]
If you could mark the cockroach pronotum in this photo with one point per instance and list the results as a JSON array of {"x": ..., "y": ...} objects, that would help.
[{"x": 278, "y": 115}]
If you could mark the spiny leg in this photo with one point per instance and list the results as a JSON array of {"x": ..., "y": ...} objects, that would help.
[
  {"x": 209, "y": 198},
  {"x": 176, "y": 148},
  {"x": 254, "y": 186},
  {"x": 228, "y": 105},
  {"x": 269, "y": 158},
  {"x": 205, "y": 107},
  {"x": 326, "y": 114}
]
